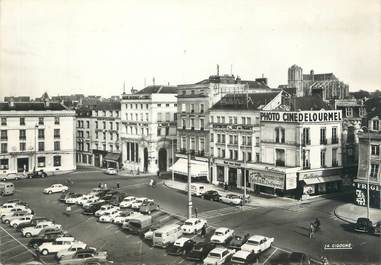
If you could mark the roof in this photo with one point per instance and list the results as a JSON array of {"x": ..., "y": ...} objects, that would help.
[
  {"x": 251, "y": 101},
  {"x": 254, "y": 84},
  {"x": 242, "y": 254},
  {"x": 158, "y": 90},
  {"x": 309, "y": 103},
  {"x": 107, "y": 105},
  {"x": 218, "y": 250},
  {"x": 221, "y": 229},
  {"x": 373, "y": 107},
  {"x": 25, "y": 106},
  {"x": 256, "y": 237}
]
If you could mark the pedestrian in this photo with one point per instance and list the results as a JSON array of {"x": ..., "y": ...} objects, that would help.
[
  {"x": 158, "y": 174},
  {"x": 99, "y": 185},
  {"x": 311, "y": 231},
  {"x": 118, "y": 185},
  {"x": 203, "y": 231},
  {"x": 105, "y": 186},
  {"x": 195, "y": 212}
]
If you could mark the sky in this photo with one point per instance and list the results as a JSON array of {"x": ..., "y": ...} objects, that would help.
[{"x": 94, "y": 47}]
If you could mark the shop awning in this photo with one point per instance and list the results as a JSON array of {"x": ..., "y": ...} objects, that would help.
[
  {"x": 317, "y": 180},
  {"x": 112, "y": 157},
  {"x": 197, "y": 168}
]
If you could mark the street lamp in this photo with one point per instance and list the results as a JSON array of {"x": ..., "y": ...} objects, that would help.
[
  {"x": 189, "y": 182},
  {"x": 367, "y": 186}
]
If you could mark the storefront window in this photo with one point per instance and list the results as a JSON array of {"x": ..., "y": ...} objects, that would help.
[{"x": 220, "y": 174}]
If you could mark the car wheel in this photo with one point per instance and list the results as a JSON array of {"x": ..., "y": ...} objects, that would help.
[
  {"x": 50, "y": 192},
  {"x": 6, "y": 221},
  {"x": 35, "y": 245},
  {"x": 44, "y": 252},
  {"x": 149, "y": 212},
  {"x": 14, "y": 225},
  {"x": 4, "y": 179},
  {"x": 28, "y": 235}
]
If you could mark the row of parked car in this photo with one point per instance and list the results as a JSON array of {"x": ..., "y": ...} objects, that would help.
[
  {"x": 17, "y": 176},
  {"x": 48, "y": 237}
]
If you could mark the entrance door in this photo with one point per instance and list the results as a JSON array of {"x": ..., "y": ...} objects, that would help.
[
  {"x": 145, "y": 159},
  {"x": 97, "y": 162},
  {"x": 22, "y": 164},
  {"x": 233, "y": 177},
  {"x": 162, "y": 159}
]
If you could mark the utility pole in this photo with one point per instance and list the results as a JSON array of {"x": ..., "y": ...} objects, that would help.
[
  {"x": 173, "y": 161},
  {"x": 189, "y": 186}
]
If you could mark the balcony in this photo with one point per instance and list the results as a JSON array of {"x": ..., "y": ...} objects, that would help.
[
  {"x": 279, "y": 163},
  {"x": 335, "y": 164},
  {"x": 306, "y": 165},
  {"x": 201, "y": 153},
  {"x": 183, "y": 151},
  {"x": 323, "y": 141},
  {"x": 22, "y": 137},
  {"x": 306, "y": 142},
  {"x": 4, "y": 138},
  {"x": 335, "y": 140}
]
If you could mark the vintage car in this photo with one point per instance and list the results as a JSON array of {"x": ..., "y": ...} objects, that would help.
[
  {"x": 56, "y": 188},
  {"x": 60, "y": 244},
  {"x": 222, "y": 235},
  {"x": 211, "y": 195},
  {"x": 22, "y": 220},
  {"x": 108, "y": 217},
  {"x": 199, "y": 251},
  {"x": 364, "y": 225},
  {"x": 35, "y": 230},
  {"x": 257, "y": 244},
  {"x": 148, "y": 207},
  {"x": 218, "y": 256},
  {"x": 85, "y": 256},
  {"x": 232, "y": 199},
  {"x": 127, "y": 202},
  {"x": 238, "y": 241},
  {"x": 181, "y": 246},
  {"x": 193, "y": 225},
  {"x": 138, "y": 202},
  {"x": 105, "y": 209},
  {"x": 111, "y": 171},
  {"x": 242, "y": 257}
]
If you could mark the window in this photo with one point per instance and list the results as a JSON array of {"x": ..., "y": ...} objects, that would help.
[
  {"x": 96, "y": 135},
  {"x": 201, "y": 146},
  {"x": 218, "y": 119},
  {"x": 361, "y": 111},
  {"x": 22, "y": 147},
  {"x": 193, "y": 144},
  {"x": 243, "y": 120},
  {"x": 306, "y": 159},
  {"x": 3, "y": 121},
  {"x": 334, "y": 135},
  {"x": 4, "y": 164},
  {"x": 334, "y": 157},
  {"x": 235, "y": 154},
  {"x": 96, "y": 125},
  {"x": 41, "y": 161},
  {"x": 158, "y": 131},
  {"x": 192, "y": 108},
  {"x": 183, "y": 123},
  {"x": 57, "y": 161},
  {"x": 56, "y": 133},
  {"x": 231, "y": 154},
  {"x": 87, "y": 134},
  {"x": 374, "y": 170},
  {"x": 223, "y": 138},
  {"x": 146, "y": 116},
  {"x": 41, "y": 134},
  {"x": 41, "y": 120},
  {"x": 322, "y": 158},
  {"x": 223, "y": 119},
  {"x": 218, "y": 138},
  {"x": 235, "y": 120},
  {"x": 167, "y": 116},
  {"x": 306, "y": 136},
  {"x": 256, "y": 157},
  {"x": 87, "y": 147},
  {"x": 183, "y": 107},
  {"x": 249, "y": 140},
  {"x": 201, "y": 124},
  {"x": 41, "y": 146},
  {"x": 159, "y": 105},
  {"x": 231, "y": 139},
  {"x": 201, "y": 108},
  {"x": 141, "y": 106},
  {"x": 167, "y": 131},
  {"x": 192, "y": 124},
  {"x": 375, "y": 124},
  {"x": 348, "y": 112},
  {"x": 235, "y": 139},
  {"x": 279, "y": 135},
  {"x": 104, "y": 125},
  {"x": 22, "y": 121},
  {"x": 212, "y": 137},
  {"x": 375, "y": 150},
  {"x": 159, "y": 116},
  {"x": 248, "y": 120},
  {"x": 4, "y": 134},
  {"x": 323, "y": 139},
  {"x": 223, "y": 153},
  {"x": 57, "y": 146},
  {"x": 57, "y": 121},
  {"x": 230, "y": 120},
  {"x": 4, "y": 148},
  {"x": 104, "y": 135},
  {"x": 183, "y": 142},
  {"x": 248, "y": 156},
  {"x": 257, "y": 141}
]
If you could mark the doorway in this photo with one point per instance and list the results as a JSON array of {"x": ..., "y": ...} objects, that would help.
[
  {"x": 145, "y": 160},
  {"x": 22, "y": 164},
  {"x": 162, "y": 159}
]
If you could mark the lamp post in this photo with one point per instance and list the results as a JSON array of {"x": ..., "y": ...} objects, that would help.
[
  {"x": 369, "y": 171},
  {"x": 173, "y": 161},
  {"x": 189, "y": 181},
  {"x": 35, "y": 146}
]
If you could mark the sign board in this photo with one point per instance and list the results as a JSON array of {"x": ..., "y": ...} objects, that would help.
[
  {"x": 267, "y": 179},
  {"x": 302, "y": 116},
  {"x": 291, "y": 182}
]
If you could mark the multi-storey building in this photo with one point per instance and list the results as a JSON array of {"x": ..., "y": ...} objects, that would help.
[
  {"x": 193, "y": 105},
  {"x": 326, "y": 85},
  {"x": 148, "y": 129},
  {"x": 36, "y": 136},
  {"x": 105, "y": 138},
  {"x": 85, "y": 130},
  {"x": 234, "y": 125},
  {"x": 300, "y": 149}
]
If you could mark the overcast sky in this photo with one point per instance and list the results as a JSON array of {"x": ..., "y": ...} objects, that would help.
[{"x": 93, "y": 46}]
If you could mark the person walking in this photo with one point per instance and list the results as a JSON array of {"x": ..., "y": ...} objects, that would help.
[
  {"x": 203, "y": 231},
  {"x": 118, "y": 185},
  {"x": 311, "y": 231},
  {"x": 195, "y": 211}
]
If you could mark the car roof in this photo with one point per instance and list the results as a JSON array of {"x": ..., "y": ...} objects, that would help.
[
  {"x": 242, "y": 254},
  {"x": 256, "y": 237},
  {"x": 221, "y": 229},
  {"x": 218, "y": 250},
  {"x": 181, "y": 241}
]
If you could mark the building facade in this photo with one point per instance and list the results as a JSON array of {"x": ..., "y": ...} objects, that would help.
[
  {"x": 193, "y": 102},
  {"x": 104, "y": 133},
  {"x": 84, "y": 132},
  {"x": 148, "y": 130},
  {"x": 36, "y": 136}
]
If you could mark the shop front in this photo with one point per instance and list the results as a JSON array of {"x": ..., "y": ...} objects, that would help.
[
  {"x": 228, "y": 172},
  {"x": 361, "y": 191}
]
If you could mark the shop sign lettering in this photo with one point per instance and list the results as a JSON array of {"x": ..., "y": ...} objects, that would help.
[
  {"x": 364, "y": 186},
  {"x": 360, "y": 198},
  {"x": 232, "y": 163},
  {"x": 268, "y": 180},
  {"x": 302, "y": 116}
]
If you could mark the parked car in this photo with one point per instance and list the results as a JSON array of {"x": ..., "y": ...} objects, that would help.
[
  {"x": 34, "y": 230},
  {"x": 377, "y": 229},
  {"x": 218, "y": 256},
  {"x": 91, "y": 209},
  {"x": 85, "y": 198},
  {"x": 48, "y": 237},
  {"x": 294, "y": 258},
  {"x": 7, "y": 188},
  {"x": 111, "y": 171},
  {"x": 8, "y": 218},
  {"x": 68, "y": 253},
  {"x": 199, "y": 251},
  {"x": 104, "y": 209},
  {"x": 13, "y": 176},
  {"x": 181, "y": 246},
  {"x": 91, "y": 201},
  {"x": 33, "y": 222},
  {"x": 222, "y": 235},
  {"x": 232, "y": 199},
  {"x": 138, "y": 202},
  {"x": 211, "y": 195},
  {"x": 56, "y": 188},
  {"x": 61, "y": 243},
  {"x": 37, "y": 174},
  {"x": 257, "y": 244},
  {"x": 13, "y": 211},
  {"x": 21, "y": 220},
  {"x": 193, "y": 225},
  {"x": 148, "y": 207},
  {"x": 242, "y": 257},
  {"x": 166, "y": 235},
  {"x": 85, "y": 257},
  {"x": 108, "y": 217},
  {"x": 238, "y": 241},
  {"x": 66, "y": 195},
  {"x": 127, "y": 202},
  {"x": 122, "y": 216},
  {"x": 364, "y": 225},
  {"x": 73, "y": 199}
]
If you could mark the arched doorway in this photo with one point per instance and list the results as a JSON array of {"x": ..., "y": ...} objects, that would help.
[
  {"x": 145, "y": 159},
  {"x": 162, "y": 159}
]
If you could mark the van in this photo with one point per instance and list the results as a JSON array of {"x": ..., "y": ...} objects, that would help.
[
  {"x": 139, "y": 224},
  {"x": 197, "y": 189},
  {"x": 166, "y": 235},
  {"x": 7, "y": 188}
]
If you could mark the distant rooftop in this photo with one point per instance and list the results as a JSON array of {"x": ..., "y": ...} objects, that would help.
[
  {"x": 158, "y": 89},
  {"x": 309, "y": 103},
  {"x": 25, "y": 106},
  {"x": 252, "y": 101},
  {"x": 107, "y": 105}
]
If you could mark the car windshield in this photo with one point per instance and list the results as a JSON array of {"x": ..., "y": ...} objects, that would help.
[
  {"x": 253, "y": 242},
  {"x": 238, "y": 238},
  {"x": 158, "y": 234},
  {"x": 214, "y": 255},
  {"x": 238, "y": 260},
  {"x": 106, "y": 213},
  {"x": 188, "y": 223},
  {"x": 218, "y": 233}
]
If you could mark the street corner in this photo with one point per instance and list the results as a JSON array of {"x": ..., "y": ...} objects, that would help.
[{"x": 349, "y": 213}]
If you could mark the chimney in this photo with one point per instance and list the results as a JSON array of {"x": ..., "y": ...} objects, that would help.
[{"x": 218, "y": 70}]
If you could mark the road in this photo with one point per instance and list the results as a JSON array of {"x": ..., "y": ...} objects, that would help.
[{"x": 287, "y": 225}]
